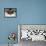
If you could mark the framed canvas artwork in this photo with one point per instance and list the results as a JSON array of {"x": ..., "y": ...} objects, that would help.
[
  {"x": 32, "y": 32},
  {"x": 10, "y": 12}
]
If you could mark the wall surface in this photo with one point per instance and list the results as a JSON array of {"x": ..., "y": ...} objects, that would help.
[{"x": 28, "y": 12}]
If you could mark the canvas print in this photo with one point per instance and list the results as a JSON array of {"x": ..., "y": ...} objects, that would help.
[
  {"x": 33, "y": 32},
  {"x": 10, "y": 12}
]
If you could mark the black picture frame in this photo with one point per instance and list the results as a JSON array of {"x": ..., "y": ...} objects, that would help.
[{"x": 11, "y": 11}]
